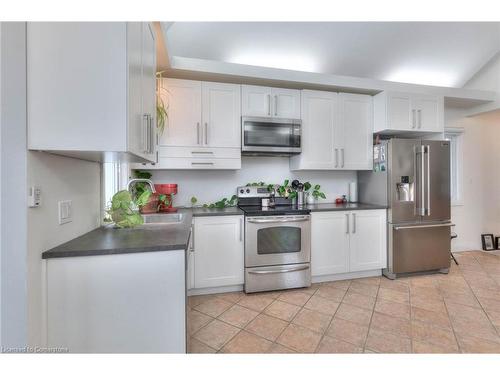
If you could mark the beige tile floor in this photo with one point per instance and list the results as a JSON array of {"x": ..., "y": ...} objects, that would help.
[{"x": 454, "y": 313}]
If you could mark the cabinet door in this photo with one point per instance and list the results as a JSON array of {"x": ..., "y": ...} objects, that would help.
[
  {"x": 149, "y": 87},
  {"x": 218, "y": 251},
  {"x": 182, "y": 101},
  {"x": 368, "y": 249},
  {"x": 399, "y": 112},
  {"x": 429, "y": 113},
  {"x": 221, "y": 114},
  {"x": 319, "y": 118},
  {"x": 256, "y": 101},
  {"x": 356, "y": 123},
  {"x": 329, "y": 243},
  {"x": 136, "y": 131},
  {"x": 285, "y": 103}
]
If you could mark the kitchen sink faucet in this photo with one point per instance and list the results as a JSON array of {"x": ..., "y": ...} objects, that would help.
[{"x": 136, "y": 180}]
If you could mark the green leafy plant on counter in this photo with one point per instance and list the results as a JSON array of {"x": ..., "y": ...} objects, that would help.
[
  {"x": 224, "y": 202},
  {"x": 122, "y": 209},
  {"x": 283, "y": 190},
  {"x": 161, "y": 107},
  {"x": 140, "y": 187},
  {"x": 316, "y": 192}
]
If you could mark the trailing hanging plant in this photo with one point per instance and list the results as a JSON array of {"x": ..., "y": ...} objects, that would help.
[
  {"x": 224, "y": 202},
  {"x": 161, "y": 107}
]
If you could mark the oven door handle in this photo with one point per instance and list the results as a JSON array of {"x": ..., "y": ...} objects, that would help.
[
  {"x": 284, "y": 220},
  {"x": 285, "y": 270}
]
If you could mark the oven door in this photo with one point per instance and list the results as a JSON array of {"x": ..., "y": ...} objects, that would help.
[
  {"x": 271, "y": 135},
  {"x": 277, "y": 240}
]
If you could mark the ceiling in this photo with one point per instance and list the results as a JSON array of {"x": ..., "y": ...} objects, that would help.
[{"x": 440, "y": 53}]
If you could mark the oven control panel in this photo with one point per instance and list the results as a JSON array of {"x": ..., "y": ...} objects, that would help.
[{"x": 252, "y": 192}]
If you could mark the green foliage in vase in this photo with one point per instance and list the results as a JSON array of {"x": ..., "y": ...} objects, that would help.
[{"x": 122, "y": 209}]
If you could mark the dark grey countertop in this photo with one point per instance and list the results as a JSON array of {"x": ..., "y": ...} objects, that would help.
[
  {"x": 343, "y": 207},
  {"x": 200, "y": 211},
  {"x": 109, "y": 240}
]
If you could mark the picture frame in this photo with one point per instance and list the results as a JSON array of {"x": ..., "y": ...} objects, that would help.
[
  {"x": 497, "y": 242},
  {"x": 488, "y": 242}
]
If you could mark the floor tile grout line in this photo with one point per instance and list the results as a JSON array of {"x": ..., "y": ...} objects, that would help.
[{"x": 370, "y": 322}]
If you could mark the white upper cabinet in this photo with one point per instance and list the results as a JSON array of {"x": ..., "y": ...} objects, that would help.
[
  {"x": 221, "y": 114},
  {"x": 182, "y": 100},
  {"x": 203, "y": 129},
  {"x": 337, "y": 131},
  {"x": 95, "y": 101},
  {"x": 396, "y": 112},
  {"x": 356, "y": 129},
  {"x": 285, "y": 103},
  {"x": 262, "y": 101},
  {"x": 319, "y": 119}
]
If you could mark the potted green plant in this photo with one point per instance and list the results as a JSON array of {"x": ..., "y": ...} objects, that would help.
[
  {"x": 314, "y": 195},
  {"x": 123, "y": 209}
]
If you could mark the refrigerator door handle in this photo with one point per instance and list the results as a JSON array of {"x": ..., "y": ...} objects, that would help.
[
  {"x": 424, "y": 226},
  {"x": 419, "y": 171},
  {"x": 427, "y": 150}
]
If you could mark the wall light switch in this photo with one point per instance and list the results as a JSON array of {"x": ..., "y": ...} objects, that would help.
[
  {"x": 65, "y": 212},
  {"x": 34, "y": 196}
]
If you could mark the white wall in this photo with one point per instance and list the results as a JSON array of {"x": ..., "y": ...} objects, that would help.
[
  {"x": 59, "y": 178},
  {"x": 13, "y": 185},
  {"x": 480, "y": 212},
  {"x": 209, "y": 186}
]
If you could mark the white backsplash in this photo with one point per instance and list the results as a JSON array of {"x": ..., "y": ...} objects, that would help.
[{"x": 209, "y": 186}]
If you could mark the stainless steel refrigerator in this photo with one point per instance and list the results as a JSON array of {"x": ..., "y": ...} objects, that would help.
[{"x": 412, "y": 178}]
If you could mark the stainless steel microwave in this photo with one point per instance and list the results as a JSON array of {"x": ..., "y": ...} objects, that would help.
[{"x": 266, "y": 135}]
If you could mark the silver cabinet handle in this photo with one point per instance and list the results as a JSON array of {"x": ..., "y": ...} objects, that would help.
[
  {"x": 265, "y": 272},
  {"x": 198, "y": 133},
  {"x": 201, "y": 163},
  {"x": 192, "y": 238},
  {"x": 206, "y": 133},
  {"x": 241, "y": 229},
  {"x": 145, "y": 125},
  {"x": 413, "y": 119},
  {"x": 276, "y": 105},
  {"x": 293, "y": 219},
  {"x": 269, "y": 105},
  {"x": 152, "y": 132},
  {"x": 342, "y": 153},
  {"x": 424, "y": 226},
  {"x": 202, "y": 152},
  {"x": 353, "y": 223},
  {"x": 336, "y": 158},
  {"x": 419, "y": 113},
  {"x": 347, "y": 223},
  {"x": 427, "y": 150}
]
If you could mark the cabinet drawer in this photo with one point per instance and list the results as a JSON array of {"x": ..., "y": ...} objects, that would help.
[
  {"x": 196, "y": 163},
  {"x": 199, "y": 152}
]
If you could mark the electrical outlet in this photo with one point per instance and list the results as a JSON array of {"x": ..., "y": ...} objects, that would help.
[
  {"x": 65, "y": 212},
  {"x": 35, "y": 196}
]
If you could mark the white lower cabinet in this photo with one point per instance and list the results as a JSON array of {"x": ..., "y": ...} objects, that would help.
[
  {"x": 348, "y": 241},
  {"x": 218, "y": 249},
  {"x": 120, "y": 303}
]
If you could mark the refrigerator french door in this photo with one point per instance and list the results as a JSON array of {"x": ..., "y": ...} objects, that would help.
[{"x": 412, "y": 177}]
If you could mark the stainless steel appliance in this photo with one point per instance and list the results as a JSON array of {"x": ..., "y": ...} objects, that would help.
[
  {"x": 277, "y": 242},
  {"x": 412, "y": 177},
  {"x": 271, "y": 136}
]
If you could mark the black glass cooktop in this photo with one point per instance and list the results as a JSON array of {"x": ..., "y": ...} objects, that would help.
[{"x": 277, "y": 210}]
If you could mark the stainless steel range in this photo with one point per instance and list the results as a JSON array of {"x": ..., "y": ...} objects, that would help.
[{"x": 277, "y": 242}]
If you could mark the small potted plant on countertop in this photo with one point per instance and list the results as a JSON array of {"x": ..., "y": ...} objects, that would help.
[
  {"x": 123, "y": 209},
  {"x": 314, "y": 195}
]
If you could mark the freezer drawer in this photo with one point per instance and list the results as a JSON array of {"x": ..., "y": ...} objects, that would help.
[{"x": 416, "y": 248}]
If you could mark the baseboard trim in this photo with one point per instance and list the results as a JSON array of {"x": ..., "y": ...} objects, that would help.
[
  {"x": 345, "y": 276},
  {"x": 215, "y": 290}
]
